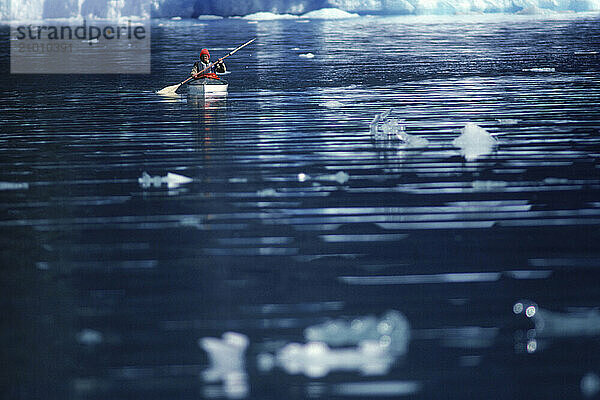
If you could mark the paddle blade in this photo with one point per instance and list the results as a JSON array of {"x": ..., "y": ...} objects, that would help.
[{"x": 169, "y": 89}]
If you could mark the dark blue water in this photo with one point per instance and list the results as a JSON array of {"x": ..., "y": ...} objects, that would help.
[{"x": 296, "y": 215}]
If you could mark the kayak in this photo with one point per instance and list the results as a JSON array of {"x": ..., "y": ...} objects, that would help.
[{"x": 207, "y": 86}]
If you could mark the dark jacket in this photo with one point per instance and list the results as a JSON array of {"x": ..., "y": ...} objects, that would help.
[{"x": 199, "y": 66}]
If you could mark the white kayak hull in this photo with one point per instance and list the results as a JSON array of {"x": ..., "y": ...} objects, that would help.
[{"x": 207, "y": 86}]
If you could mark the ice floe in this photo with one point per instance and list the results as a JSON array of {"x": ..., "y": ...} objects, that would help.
[
  {"x": 306, "y": 55},
  {"x": 14, "y": 185},
  {"x": 474, "y": 142},
  {"x": 393, "y": 131},
  {"x": 90, "y": 337},
  {"x": 209, "y": 17},
  {"x": 590, "y": 385},
  {"x": 340, "y": 177},
  {"x": 368, "y": 345},
  {"x": 392, "y": 329},
  {"x": 544, "y": 69},
  {"x": 171, "y": 180},
  {"x": 227, "y": 363},
  {"x": 317, "y": 359},
  {"x": 268, "y": 16},
  {"x": 332, "y": 104}
]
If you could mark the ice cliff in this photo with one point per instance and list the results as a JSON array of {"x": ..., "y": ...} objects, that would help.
[{"x": 39, "y": 9}]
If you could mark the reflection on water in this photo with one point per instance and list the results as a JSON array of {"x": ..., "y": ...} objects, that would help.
[{"x": 298, "y": 221}]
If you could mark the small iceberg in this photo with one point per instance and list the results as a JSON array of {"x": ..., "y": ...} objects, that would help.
[
  {"x": 507, "y": 121},
  {"x": 539, "y": 69},
  {"x": 268, "y": 16},
  {"x": 333, "y": 104},
  {"x": 392, "y": 328},
  {"x": 340, "y": 177},
  {"x": 90, "y": 337},
  {"x": 474, "y": 142},
  {"x": 209, "y": 17},
  {"x": 306, "y": 55},
  {"x": 367, "y": 344},
  {"x": 317, "y": 359},
  {"x": 590, "y": 385},
  {"x": 227, "y": 363},
  {"x": 14, "y": 185},
  {"x": 171, "y": 180},
  {"x": 392, "y": 130}
]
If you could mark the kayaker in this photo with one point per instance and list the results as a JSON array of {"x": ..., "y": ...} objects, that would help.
[{"x": 204, "y": 62}]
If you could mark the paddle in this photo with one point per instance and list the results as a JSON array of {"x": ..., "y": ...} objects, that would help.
[{"x": 173, "y": 88}]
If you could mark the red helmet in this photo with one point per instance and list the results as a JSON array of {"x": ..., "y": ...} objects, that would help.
[{"x": 204, "y": 51}]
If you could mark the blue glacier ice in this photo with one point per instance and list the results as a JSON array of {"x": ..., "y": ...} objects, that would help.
[{"x": 327, "y": 9}]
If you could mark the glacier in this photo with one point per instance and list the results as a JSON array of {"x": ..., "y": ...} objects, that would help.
[{"x": 19, "y": 10}]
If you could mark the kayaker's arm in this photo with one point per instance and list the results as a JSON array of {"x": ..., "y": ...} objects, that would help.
[
  {"x": 220, "y": 66},
  {"x": 195, "y": 69}
]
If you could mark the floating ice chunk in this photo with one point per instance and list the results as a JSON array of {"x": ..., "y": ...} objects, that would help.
[
  {"x": 391, "y": 330},
  {"x": 269, "y": 16},
  {"x": 333, "y": 104},
  {"x": 578, "y": 322},
  {"x": 174, "y": 180},
  {"x": 590, "y": 385},
  {"x": 227, "y": 363},
  {"x": 488, "y": 186},
  {"x": 238, "y": 180},
  {"x": 370, "y": 390},
  {"x": 175, "y": 18},
  {"x": 171, "y": 180},
  {"x": 384, "y": 128},
  {"x": 307, "y": 55},
  {"x": 373, "y": 126},
  {"x": 90, "y": 337},
  {"x": 267, "y": 193},
  {"x": 302, "y": 177},
  {"x": 209, "y": 17},
  {"x": 317, "y": 359},
  {"x": 340, "y": 177},
  {"x": 14, "y": 185},
  {"x": 539, "y": 70},
  {"x": 508, "y": 121},
  {"x": 474, "y": 142}
]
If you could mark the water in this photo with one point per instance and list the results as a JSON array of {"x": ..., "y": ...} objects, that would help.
[{"x": 296, "y": 216}]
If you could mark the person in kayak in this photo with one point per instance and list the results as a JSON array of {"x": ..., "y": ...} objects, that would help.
[{"x": 204, "y": 62}]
